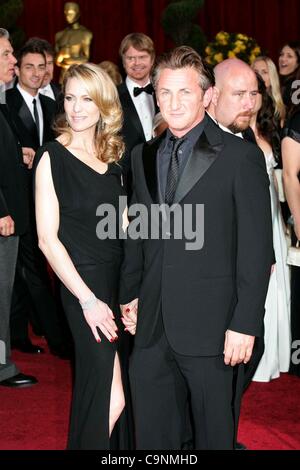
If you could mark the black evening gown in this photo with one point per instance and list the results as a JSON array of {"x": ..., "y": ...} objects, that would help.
[
  {"x": 292, "y": 130},
  {"x": 80, "y": 191}
]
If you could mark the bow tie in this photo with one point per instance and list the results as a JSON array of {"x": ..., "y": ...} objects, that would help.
[{"x": 147, "y": 89}]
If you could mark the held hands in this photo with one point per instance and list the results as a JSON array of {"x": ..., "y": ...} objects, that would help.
[
  {"x": 237, "y": 348},
  {"x": 7, "y": 226},
  {"x": 99, "y": 315},
  {"x": 129, "y": 315},
  {"x": 28, "y": 156}
]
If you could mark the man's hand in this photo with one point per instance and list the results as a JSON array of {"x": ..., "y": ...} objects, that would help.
[
  {"x": 7, "y": 226},
  {"x": 129, "y": 315},
  {"x": 28, "y": 156},
  {"x": 237, "y": 348}
]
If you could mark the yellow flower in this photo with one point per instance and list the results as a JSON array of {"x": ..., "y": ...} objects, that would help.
[
  {"x": 231, "y": 54},
  {"x": 256, "y": 51},
  {"x": 237, "y": 50},
  {"x": 252, "y": 58},
  {"x": 208, "y": 60},
  {"x": 208, "y": 50},
  {"x": 242, "y": 37},
  {"x": 218, "y": 57},
  {"x": 222, "y": 38},
  {"x": 241, "y": 45}
]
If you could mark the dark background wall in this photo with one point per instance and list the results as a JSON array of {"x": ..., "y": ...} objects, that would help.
[{"x": 271, "y": 22}]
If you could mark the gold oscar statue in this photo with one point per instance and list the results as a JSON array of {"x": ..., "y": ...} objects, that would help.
[{"x": 72, "y": 45}]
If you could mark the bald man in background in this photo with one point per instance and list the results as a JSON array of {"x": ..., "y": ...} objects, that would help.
[{"x": 232, "y": 105}]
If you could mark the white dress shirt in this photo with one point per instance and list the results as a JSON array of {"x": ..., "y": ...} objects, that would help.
[
  {"x": 144, "y": 106},
  {"x": 29, "y": 102},
  {"x": 47, "y": 91}
]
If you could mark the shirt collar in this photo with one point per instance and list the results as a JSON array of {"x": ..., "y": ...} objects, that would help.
[
  {"x": 131, "y": 85},
  {"x": 27, "y": 96}
]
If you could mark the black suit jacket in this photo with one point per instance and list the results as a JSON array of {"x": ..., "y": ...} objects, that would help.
[
  {"x": 23, "y": 120},
  {"x": 223, "y": 285},
  {"x": 132, "y": 130},
  {"x": 13, "y": 195}
]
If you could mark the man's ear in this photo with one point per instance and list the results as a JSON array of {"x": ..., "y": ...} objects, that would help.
[
  {"x": 215, "y": 95},
  {"x": 17, "y": 71},
  {"x": 207, "y": 97}
]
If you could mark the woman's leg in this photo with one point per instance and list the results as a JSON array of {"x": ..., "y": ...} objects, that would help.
[{"x": 117, "y": 398}]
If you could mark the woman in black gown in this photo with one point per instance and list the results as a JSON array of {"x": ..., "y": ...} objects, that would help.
[
  {"x": 291, "y": 174},
  {"x": 75, "y": 175}
]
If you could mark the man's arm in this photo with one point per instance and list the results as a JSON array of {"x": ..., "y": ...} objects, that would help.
[
  {"x": 133, "y": 262},
  {"x": 254, "y": 255},
  {"x": 291, "y": 170}
]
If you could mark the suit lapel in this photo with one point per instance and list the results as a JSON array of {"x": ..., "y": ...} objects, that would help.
[
  {"x": 25, "y": 116},
  {"x": 204, "y": 154},
  {"x": 150, "y": 167}
]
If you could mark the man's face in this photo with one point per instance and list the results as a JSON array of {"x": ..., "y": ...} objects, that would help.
[
  {"x": 49, "y": 70},
  {"x": 181, "y": 100},
  {"x": 137, "y": 65},
  {"x": 31, "y": 72},
  {"x": 236, "y": 100},
  {"x": 7, "y": 61}
]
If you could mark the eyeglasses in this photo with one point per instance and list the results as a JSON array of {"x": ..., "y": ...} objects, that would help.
[{"x": 135, "y": 58}]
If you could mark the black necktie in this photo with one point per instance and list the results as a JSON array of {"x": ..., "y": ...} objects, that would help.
[
  {"x": 36, "y": 117},
  {"x": 147, "y": 89},
  {"x": 173, "y": 171}
]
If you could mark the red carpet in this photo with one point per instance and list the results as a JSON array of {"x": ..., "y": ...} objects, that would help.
[{"x": 37, "y": 417}]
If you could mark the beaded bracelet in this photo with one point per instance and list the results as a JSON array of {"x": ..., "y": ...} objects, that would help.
[{"x": 89, "y": 303}]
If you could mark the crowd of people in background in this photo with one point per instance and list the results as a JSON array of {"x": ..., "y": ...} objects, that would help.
[{"x": 65, "y": 150}]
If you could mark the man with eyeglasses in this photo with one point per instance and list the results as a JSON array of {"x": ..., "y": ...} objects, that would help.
[{"x": 136, "y": 94}]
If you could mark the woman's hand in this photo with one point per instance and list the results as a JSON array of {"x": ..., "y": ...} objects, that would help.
[
  {"x": 100, "y": 316},
  {"x": 129, "y": 316}
]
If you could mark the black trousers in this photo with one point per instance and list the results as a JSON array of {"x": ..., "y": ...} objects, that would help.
[
  {"x": 32, "y": 293},
  {"x": 163, "y": 382},
  {"x": 257, "y": 353}
]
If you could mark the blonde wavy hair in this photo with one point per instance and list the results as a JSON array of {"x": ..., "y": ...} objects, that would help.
[
  {"x": 100, "y": 88},
  {"x": 275, "y": 93}
]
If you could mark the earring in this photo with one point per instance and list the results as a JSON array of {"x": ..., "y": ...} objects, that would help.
[{"x": 100, "y": 125}]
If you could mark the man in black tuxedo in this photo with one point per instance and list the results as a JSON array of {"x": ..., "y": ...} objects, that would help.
[
  {"x": 13, "y": 217},
  {"x": 32, "y": 114},
  {"x": 136, "y": 94},
  {"x": 200, "y": 282}
]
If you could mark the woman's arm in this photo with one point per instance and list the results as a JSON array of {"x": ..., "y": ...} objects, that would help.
[
  {"x": 97, "y": 313},
  {"x": 291, "y": 169}
]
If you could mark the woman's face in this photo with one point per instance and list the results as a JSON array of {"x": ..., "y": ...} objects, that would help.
[
  {"x": 261, "y": 67},
  {"x": 81, "y": 111},
  {"x": 288, "y": 61}
]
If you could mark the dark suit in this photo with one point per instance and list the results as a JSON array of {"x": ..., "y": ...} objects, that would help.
[
  {"x": 34, "y": 295},
  {"x": 12, "y": 203},
  {"x": 132, "y": 130},
  {"x": 193, "y": 297},
  {"x": 23, "y": 119}
]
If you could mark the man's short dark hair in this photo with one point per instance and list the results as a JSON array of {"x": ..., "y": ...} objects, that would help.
[
  {"x": 29, "y": 48},
  {"x": 43, "y": 44},
  {"x": 184, "y": 57}
]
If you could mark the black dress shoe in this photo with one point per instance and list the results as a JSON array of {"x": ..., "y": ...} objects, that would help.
[
  {"x": 20, "y": 380},
  {"x": 240, "y": 446},
  {"x": 27, "y": 347}
]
